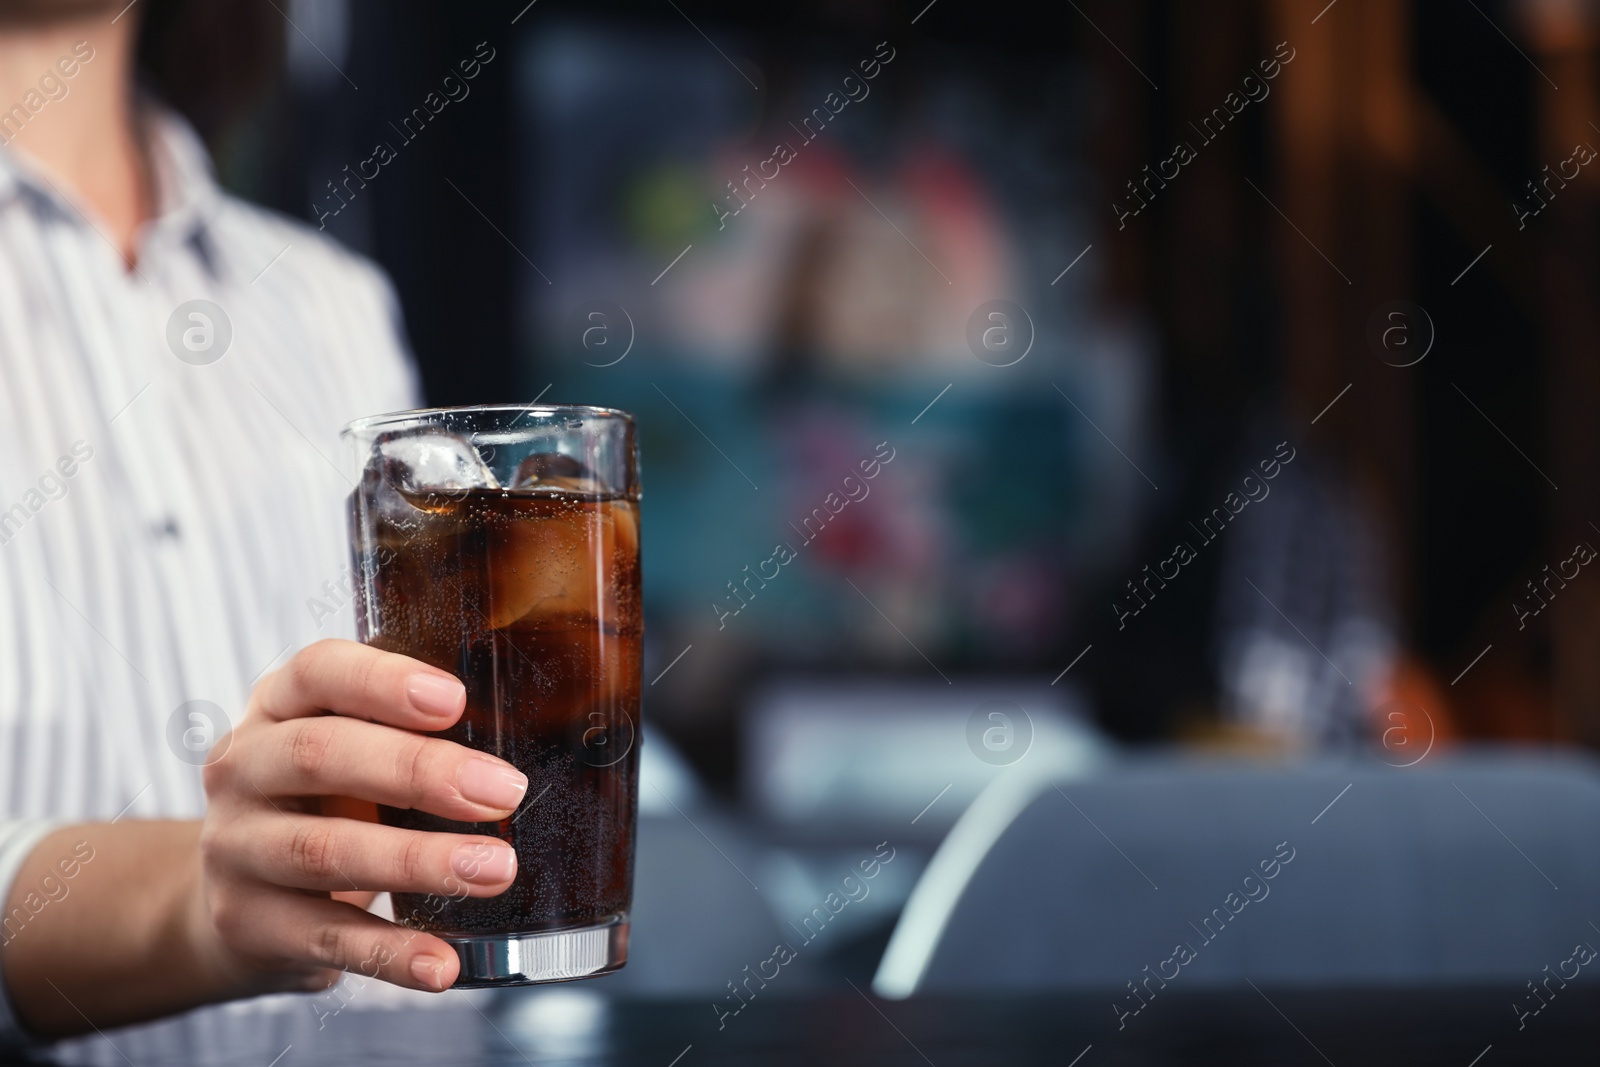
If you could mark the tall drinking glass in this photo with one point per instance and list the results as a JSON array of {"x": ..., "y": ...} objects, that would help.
[{"x": 501, "y": 544}]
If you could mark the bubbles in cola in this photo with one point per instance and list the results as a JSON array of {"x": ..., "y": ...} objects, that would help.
[{"x": 530, "y": 594}]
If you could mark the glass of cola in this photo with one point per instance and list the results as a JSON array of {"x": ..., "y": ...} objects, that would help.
[{"x": 501, "y": 544}]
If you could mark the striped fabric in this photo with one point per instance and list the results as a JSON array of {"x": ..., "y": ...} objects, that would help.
[{"x": 170, "y": 528}]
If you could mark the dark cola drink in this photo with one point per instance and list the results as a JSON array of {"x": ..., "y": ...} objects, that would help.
[{"x": 529, "y": 592}]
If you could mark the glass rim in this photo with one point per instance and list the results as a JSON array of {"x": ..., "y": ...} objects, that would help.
[{"x": 371, "y": 422}]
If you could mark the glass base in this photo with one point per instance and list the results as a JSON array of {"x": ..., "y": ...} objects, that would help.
[{"x": 492, "y": 960}]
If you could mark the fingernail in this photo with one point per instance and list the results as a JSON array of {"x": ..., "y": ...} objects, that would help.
[
  {"x": 484, "y": 864},
  {"x": 492, "y": 784},
  {"x": 428, "y": 971},
  {"x": 438, "y": 695}
]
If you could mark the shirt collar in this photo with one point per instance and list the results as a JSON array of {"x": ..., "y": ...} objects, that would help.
[{"x": 187, "y": 195}]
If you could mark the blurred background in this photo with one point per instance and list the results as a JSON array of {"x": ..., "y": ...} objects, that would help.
[{"x": 1186, "y": 385}]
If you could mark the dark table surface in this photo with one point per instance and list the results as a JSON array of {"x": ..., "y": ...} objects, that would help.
[{"x": 1467, "y": 1027}]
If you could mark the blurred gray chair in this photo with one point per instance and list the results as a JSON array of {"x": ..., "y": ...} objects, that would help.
[{"x": 1443, "y": 872}]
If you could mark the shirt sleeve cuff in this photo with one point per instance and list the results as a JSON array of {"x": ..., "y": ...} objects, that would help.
[{"x": 18, "y": 838}]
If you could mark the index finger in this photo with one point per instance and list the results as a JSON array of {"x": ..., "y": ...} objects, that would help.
[{"x": 365, "y": 683}]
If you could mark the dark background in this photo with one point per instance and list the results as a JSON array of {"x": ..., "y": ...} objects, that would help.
[{"x": 1393, "y": 146}]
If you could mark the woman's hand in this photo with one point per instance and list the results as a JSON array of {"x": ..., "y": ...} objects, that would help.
[
  {"x": 146, "y": 918},
  {"x": 338, "y": 721}
]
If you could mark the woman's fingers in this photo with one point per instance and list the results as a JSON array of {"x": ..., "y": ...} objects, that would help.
[
  {"x": 270, "y": 862},
  {"x": 332, "y": 756},
  {"x": 313, "y": 852},
  {"x": 362, "y": 682},
  {"x": 298, "y": 930},
  {"x": 359, "y": 899}
]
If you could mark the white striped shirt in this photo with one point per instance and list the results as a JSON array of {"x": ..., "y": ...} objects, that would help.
[{"x": 168, "y": 531}]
